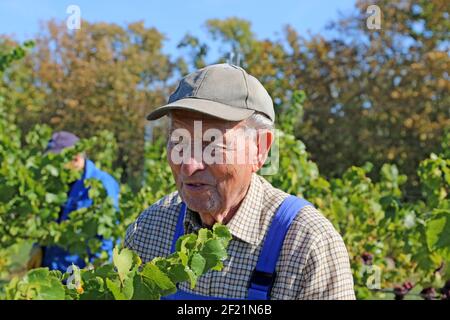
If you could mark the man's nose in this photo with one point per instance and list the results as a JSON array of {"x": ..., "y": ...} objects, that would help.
[{"x": 191, "y": 165}]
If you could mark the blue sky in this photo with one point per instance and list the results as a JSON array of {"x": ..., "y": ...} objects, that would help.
[{"x": 174, "y": 18}]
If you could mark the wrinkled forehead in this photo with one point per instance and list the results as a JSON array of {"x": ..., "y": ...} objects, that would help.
[{"x": 190, "y": 119}]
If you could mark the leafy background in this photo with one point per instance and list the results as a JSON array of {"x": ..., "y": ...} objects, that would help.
[{"x": 364, "y": 118}]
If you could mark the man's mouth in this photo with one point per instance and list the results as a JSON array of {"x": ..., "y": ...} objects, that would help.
[{"x": 196, "y": 186}]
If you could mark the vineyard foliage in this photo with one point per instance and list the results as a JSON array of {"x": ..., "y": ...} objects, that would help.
[
  {"x": 126, "y": 278},
  {"x": 391, "y": 239}
]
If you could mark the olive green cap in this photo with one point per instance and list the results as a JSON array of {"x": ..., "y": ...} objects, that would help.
[{"x": 221, "y": 90}]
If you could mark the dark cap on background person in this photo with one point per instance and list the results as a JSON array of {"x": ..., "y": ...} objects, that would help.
[{"x": 61, "y": 140}]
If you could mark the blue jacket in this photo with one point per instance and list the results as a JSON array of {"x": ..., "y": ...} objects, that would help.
[{"x": 56, "y": 258}]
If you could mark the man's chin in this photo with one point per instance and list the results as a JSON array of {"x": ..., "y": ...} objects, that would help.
[
  {"x": 198, "y": 203},
  {"x": 197, "y": 207}
]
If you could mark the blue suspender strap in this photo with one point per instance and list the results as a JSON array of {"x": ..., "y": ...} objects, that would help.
[
  {"x": 263, "y": 276},
  {"x": 179, "y": 231},
  {"x": 180, "y": 294}
]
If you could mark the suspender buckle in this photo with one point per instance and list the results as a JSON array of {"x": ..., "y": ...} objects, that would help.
[{"x": 262, "y": 279}]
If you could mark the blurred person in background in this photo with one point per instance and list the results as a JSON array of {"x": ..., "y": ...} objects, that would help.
[{"x": 54, "y": 257}]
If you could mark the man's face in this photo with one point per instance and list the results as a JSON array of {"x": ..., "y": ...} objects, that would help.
[
  {"x": 212, "y": 189},
  {"x": 77, "y": 163}
]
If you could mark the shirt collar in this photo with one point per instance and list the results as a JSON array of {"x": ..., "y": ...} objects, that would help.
[{"x": 245, "y": 224}]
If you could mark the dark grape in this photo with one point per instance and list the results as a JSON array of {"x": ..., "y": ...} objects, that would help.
[
  {"x": 401, "y": 291},
  {"x": 408, "y": 285},
  {"x": 367, "y": 258},
  {"x": 428, "y": 293},
  {"x": 445, "y": 291}
]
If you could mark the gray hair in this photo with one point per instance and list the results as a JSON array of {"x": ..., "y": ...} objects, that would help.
[{"x": 259, "y": 121}]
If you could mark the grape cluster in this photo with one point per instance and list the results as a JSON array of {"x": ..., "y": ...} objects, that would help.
[
  {"x": 445, "y": 291},
  {"x": 401, "y": 291},
  {"x": 367, "y": 258},
  {"x": 428, "y": 293}
]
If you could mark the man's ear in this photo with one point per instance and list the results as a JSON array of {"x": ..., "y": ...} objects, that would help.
[{"x": 264, "y": 140}]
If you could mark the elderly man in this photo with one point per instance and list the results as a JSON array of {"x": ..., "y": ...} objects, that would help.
[{"x": 282, "y": 247}]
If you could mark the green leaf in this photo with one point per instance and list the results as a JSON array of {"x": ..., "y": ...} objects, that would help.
[
  {"x": 213, "y": 252},
  {"x": 39, "y": 284},
  {"x": 192, "y": 277},
  {"x": 153, "y": 273},
  {"x": 7, "y": 193},
  {"x": 52, "y": 170},
  {"x": 51, "y": 197},
  {"x": 94, "y": 289},
  {"x": 90, "y": 228},
  {"x": 54, "y": 290},
  {"x": 114, "y": 287},
  {"x": 186, "y": 243},
  {"x": 142, "y": 291},
  {"x": 128, "y": 288},
  {"x": 223, "y": 233},
  {"x": 438, "y": 231},
  {"x": 203, "y": 235},
  {"x": 123, "y": 261},
  {"x": 198, "y": 264},
  {"x": 177, "y": 273}
]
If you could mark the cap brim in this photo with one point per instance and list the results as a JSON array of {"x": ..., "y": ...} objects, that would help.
[{"x": 208, "y": 107}]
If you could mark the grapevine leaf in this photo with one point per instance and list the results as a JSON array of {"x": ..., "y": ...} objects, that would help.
[
  {"x": 223, "y": 233},
  {"x": 152, "y": 272},
  {"x": 438, "y": 231},
  {"x": 198, "y": 264},
  {"x": 123, "y": 261},
  {"x": 114, "y": 287},
  {"x": 192, "y": 277},
  {"x": 213, "y": 252},
  {"x": 142, "y": 291}
]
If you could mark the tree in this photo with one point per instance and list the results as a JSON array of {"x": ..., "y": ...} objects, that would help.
[
  {"x": 102, "y": 76},
  {"x": 372, "y": 95}
]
